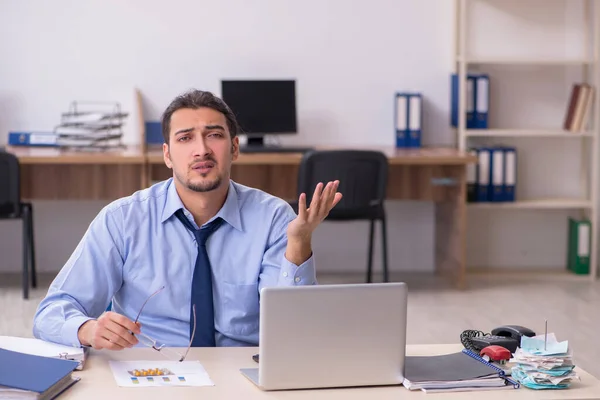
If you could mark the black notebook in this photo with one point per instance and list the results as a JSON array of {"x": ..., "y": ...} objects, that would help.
[{"x": 456, "y": 371}]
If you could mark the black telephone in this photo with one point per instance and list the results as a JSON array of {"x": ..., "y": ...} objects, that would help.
[{"x": 507, "y": 336}]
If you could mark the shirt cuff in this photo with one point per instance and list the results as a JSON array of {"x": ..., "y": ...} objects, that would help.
[
  {"x": 71, "y": 328},
  {"x": 304, "y": 274}
]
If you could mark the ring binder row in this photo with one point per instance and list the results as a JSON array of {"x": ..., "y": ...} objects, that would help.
[{"x": 501, "y": 372}]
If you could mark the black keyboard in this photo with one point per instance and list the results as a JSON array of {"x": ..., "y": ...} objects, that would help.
[{"x": 275, "y": 149}]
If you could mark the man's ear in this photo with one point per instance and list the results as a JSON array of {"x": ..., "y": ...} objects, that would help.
[
  {"x": 235, "y": 148},
  {"x": 167, "y": 156}
]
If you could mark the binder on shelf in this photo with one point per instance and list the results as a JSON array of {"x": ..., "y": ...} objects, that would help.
[
  {"x": 497, "y": 174},
  {"x": 472, "y": 179},
  {"x": 470, "y": 101},
  {"x": 401, "y": 119},
  {"x": 578, "y": 253},
  {"x": 415, "y": 120},
  {"x": 483, "y": 174},
  {"x": 482, "y": 101},
  {"x": 47, "y": 139},
  {"x": 510, "y": 173}
]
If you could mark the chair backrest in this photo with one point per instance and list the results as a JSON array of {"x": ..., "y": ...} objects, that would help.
[
  {"x": 362, "y": 174},
  {"x": 10, "y": 195}
]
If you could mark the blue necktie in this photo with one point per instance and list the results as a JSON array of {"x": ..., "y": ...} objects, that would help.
[{"x": 202, "y": 294}]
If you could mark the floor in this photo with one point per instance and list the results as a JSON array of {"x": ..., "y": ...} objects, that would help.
[{"x": 437, "y": 313}]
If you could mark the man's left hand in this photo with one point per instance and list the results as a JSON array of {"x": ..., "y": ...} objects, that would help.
[{"x": 323, "y": 200}]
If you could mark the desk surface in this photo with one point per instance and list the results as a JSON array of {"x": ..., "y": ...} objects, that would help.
[
  {"x": 135, "y": 154},
  {"x": 53, "y": 155},
  {"x": 223, "y": 364},
  {"x": 422, "y": 156}
]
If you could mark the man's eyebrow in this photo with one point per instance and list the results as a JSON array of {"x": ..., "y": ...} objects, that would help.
[
  {"x": 184, "y": 131},
  {"x": 211, "y": 127}
]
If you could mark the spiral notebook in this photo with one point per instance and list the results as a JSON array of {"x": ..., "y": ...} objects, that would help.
[{"x": 461, "y": 371}]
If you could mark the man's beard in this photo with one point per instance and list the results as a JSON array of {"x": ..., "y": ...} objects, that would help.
[{"x": 205, "y": 186}]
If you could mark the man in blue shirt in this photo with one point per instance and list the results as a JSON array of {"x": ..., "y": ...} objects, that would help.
[{"x": 141, "y": 243}]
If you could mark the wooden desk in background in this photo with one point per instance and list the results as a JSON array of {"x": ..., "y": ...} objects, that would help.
[
  {"x": 52, "y": 174},
  {"x": 430, "y": 174}
]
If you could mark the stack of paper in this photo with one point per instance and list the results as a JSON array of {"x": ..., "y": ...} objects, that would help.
[{"x": 543, "y": 363}]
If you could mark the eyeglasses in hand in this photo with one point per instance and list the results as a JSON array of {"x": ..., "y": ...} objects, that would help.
[{"x": 154, "y": 344}]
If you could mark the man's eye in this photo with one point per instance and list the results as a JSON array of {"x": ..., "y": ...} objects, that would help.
[{"x": 182, "y": 138}]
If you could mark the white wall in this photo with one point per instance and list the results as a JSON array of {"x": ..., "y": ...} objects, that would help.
[{"x": 348, "y": 59}]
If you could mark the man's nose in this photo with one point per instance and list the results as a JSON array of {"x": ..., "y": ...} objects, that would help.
[{"x": 201, "y": 149}]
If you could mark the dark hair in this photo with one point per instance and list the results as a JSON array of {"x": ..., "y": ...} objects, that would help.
[{"x": 195, "y": 99}]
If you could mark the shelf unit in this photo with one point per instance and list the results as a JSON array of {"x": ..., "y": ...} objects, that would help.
[{"x": 590, "y": 72}]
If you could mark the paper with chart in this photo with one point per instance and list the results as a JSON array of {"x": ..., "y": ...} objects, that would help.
[{"x": 159, "y": 373}]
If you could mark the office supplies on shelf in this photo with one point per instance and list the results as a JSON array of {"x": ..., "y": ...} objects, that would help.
[
  {"x": 542, "y": 362},
  {"x": 43, "y": 348},
  {"x": 461, "y": 371},
  {"x": 495, "y": 175},
  {"x": 578, "y": 107},
  {"x": 579, "y": 244},
  {"x": 472, "y": 178},
  {"x": 470, "y": 101},
  {"x": 31, "y": 377},
  {"x": 482, "y": 101}
]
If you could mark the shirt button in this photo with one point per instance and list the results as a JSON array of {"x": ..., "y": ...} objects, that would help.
[
  {"x": 285, "y": 274},
  {"x": 297, "y": 279}
]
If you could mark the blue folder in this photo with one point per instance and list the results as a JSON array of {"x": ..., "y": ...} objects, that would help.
[{"x": 35, "y": 373}]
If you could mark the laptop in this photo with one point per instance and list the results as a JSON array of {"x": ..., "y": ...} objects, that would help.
[{"x": 327, "y": 336}]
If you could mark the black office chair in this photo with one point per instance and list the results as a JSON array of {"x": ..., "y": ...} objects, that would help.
[
  {"x": 11, "y": 207},
  {"x": 363, "y": 181}
]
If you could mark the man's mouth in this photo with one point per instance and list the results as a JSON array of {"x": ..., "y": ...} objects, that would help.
[{"x": 203, "y": 167}]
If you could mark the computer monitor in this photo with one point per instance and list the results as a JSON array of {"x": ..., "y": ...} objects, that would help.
[{"x": 262, "y": 107}]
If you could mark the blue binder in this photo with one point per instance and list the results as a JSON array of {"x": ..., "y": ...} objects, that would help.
[
  {"x": 401, "y": 119},
  {"x": 510, "y": 173},
  {"x": 472, "y": 177},
  {"x": 470, "y": 101},
  {"x": 497, "y": 171},
  {"x": 484, "y": 174},
  {"x": 415, "y": 120},
  {"x": 154, "y": 132},
  {"x": 44, "y": 375},
  {"x": 482, "y": 101},
  {"x": 32, "y": 139}
]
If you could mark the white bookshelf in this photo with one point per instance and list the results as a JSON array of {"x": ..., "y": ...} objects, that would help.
[{"x": 587, "y": 64}]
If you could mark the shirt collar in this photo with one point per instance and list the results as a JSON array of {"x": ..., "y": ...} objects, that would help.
[{"x": 230, "y": 212}]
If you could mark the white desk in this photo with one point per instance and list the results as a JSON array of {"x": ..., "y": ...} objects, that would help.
[{"x": 223, "y": 364}]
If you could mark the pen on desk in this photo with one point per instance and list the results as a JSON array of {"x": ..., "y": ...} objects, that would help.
[{"x": 545, "y": 334}]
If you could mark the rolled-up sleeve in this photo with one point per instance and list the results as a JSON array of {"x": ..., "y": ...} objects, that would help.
[{"x": 85, "y": 285}]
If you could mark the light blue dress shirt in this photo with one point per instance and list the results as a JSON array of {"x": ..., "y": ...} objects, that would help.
[{"x": 136, "y": 245}]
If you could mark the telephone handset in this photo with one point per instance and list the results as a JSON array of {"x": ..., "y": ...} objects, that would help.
[{"x": 507, "y": 336}]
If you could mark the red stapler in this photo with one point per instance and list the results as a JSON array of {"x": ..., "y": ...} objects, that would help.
[{"x": 496, "y": 353}]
